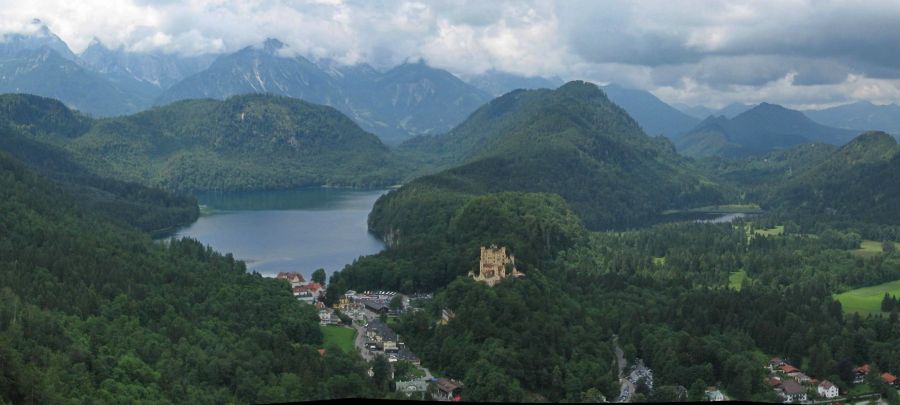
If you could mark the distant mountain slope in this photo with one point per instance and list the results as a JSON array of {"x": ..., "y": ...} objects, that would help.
[
  {"x": 729, "y": 111},
  {"x": 46, "y": 73},
  {"x": 26, "y": 122},
  {"x": 762, "y": 129},
  {"x": 244, "y": 142},
  {"x": 498, "y": 83},
  {"x": 572, "y": 141},
  {"x": 40, "y": 37},
  {"x": 860, "y": 115},
  {"x": 857, "y": 181},
  {"x": 157, "y": 70},
  {"x": 410, "y": 99},
  {"x": 654, "y": 116}
]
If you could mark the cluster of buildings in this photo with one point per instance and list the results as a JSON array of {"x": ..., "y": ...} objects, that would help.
[
  {"x": 381, "y": 338},
  {"x": 792, "y": 385},
  {"x": 309, "y": 293},
  {"x": 860, "y": 373}
]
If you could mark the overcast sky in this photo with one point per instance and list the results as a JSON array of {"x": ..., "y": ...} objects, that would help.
[{"x": 797, "y": 53}]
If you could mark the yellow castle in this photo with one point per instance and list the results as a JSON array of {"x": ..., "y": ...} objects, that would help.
[{"x": 494, "y": 264}]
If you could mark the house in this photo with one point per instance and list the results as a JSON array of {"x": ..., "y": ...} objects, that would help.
[
  {"x": 381, "y": 337},
  {"x": 714, "y": 395},
  {"x": 309, "y": 293},
  {"x": 801, "y": 378},
  {"x": 327, "y": 316},
  {"x": 295, "y": 279},
  {"x": 775, "y": 364},
  {"x": 788, "y": 369},
  {"x": 376, "y": 306},
  {"x": 414, "y": 389},
  {"x": 405, "y": 354},
  {"x": 827, "y": 390},
  {"x": 774, "y": 382},
  {"x": 860, "y": 373},
  {"x": 889, "y": 379},
  {"x": 447, "y": 390},
  {"x": 793, "y": 392},
  {"x": 446, "y": 316}
]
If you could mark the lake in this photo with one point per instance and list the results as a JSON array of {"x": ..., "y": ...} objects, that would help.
[{"x": 288, "y": 230}]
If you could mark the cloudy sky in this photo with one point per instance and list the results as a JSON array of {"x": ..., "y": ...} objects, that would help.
[{"x": 797, "y": 53}]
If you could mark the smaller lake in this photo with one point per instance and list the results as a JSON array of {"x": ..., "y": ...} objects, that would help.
[{"x": 288, "y": 230}]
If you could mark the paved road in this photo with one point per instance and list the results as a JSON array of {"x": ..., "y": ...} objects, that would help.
[
  {"x": 360, "y": 343},
  {"x": 626, "y": 388}
]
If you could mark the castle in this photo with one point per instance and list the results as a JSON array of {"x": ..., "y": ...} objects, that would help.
[{"x": 494, "y": 265}]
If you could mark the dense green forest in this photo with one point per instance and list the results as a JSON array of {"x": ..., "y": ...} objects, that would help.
[
  {"x": 572, "y": 141},
  {"x": 246, "y": 142},
  {"x": 24, "y": 120},
  {"x": 664, "y": 293},
  {"x": 92, "y": 311},
  {"x": 856, "y": 182}
]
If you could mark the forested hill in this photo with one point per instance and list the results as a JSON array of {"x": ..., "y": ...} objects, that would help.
[
  {"x": 572, "y": 141},
  {"x": 858, "y": 181},
  {"x": 27, "y": 122},
  {"x": 244, "y": 142},
  {"x": 95, "y": 312}
]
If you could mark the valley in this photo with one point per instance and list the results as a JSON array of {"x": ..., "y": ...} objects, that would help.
[{"x": 439, "y": 212}]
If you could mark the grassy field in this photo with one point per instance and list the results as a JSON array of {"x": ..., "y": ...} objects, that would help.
[
  {"x": 778, "y": 230},
  {"x": 340, "y": 336},
  {"x": 736, "y": 278},
  {"x": 867, "y": 300},
  {"x": 870, "y": 248}
]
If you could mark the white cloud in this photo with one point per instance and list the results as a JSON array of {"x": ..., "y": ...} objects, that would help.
[{"x": 694, "y": 51}]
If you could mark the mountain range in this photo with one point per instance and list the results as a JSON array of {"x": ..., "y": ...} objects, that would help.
[
  {"x": 861, "y": 115},
  {"x": 242, "y": 143},
  {"x": 497, "y": 83},
  {"x": 572, "y": 141},
  {"x": 655, "y": 116},
  {"x": 759, "y": 130}
]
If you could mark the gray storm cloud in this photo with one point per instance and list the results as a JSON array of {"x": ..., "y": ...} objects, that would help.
[{"x": 692, "y": 52}]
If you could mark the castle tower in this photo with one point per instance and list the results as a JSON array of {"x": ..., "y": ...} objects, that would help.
[{"x": 493, "y": 265}]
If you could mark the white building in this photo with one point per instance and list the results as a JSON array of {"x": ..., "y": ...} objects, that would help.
[{"x": 827, "y": 389}]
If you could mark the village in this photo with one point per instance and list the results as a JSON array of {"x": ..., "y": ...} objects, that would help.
[
  {"x": 792, "y": 385},
  {"x": 367, "y": 316}
]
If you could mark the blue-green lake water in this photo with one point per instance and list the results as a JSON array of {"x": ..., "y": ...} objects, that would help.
[{"x": 288, "y": 230}]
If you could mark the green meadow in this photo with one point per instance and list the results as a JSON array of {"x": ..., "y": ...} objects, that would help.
[
  {"x": 867, "y": 300},
  {"x": 339, "y": 336},
  {"x": 735, "y": 279},
  {"x": 871, "y": 248}
]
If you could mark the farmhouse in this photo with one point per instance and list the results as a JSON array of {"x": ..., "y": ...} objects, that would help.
[
  {"x": 889, "y": 379},
  {"x": 827, "y": 390},
  {"x": 859, "y": 373}
]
